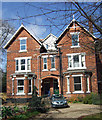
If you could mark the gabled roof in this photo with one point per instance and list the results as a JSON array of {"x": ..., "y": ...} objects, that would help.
[
  {"x": 74, "y": 21},
  {"x": 49, "y": 36},
  {"x": 16, "y": 33}
]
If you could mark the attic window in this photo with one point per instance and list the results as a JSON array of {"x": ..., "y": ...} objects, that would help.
[
  {"x": 75, "y": 39},
  {"x": 46, "y": 46},
  {"x": 23, "y": 44}
]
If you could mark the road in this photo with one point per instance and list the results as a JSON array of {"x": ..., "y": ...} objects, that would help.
[{"x": 73, "y": 112}]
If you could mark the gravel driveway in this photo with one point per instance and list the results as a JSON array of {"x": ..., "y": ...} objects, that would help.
[{"x": 74, "y": 111}]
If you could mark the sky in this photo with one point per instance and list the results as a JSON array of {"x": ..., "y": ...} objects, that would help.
[{"x": 38, "y": 25}]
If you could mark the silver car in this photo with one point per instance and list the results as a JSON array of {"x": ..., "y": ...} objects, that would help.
[{"x": 58, "y": 100}]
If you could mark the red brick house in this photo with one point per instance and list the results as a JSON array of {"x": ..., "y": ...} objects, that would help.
[{"x": 66, "y": 64}]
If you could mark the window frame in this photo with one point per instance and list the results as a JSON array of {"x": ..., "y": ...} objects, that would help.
[
  {"x": 18, "y": 86},
  {"x": 75, "y": 33},
  {"x": 68, "y": 85},
  {"x": 12, "y": 86},
  {"x": 29, "y": 93},
  {"x": 87, "y": 84},
  {"x": 23, "y": 38},
  {"x": 46, "y": 56},
  {"x": 19, "y": 64},
  {"x": 53, "y": 69},
  {"x": 80, "y": 61},
  {"x": 78, "y": 91}
]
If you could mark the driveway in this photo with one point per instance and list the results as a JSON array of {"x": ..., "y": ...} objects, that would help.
[{"x": 74, "y": 111}]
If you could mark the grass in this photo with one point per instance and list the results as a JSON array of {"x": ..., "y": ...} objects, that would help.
[
  {"x": 25, "y": 116},
  {"x": 97, "y": 116}
]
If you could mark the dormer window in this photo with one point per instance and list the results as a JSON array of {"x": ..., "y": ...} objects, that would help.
[
  {"x": 23, "y": 44},
  {"x": 47, "y": 46},
  {"x": 75, "y": 39}
]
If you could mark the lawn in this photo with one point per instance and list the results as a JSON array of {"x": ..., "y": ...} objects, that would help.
[{"x": 97, "y": 116}]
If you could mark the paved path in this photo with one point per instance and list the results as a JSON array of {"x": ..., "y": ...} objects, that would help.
[{"x": 74, "y": 111}]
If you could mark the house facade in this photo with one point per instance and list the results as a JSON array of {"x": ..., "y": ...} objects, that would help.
[{"x": 66, "y": 64}]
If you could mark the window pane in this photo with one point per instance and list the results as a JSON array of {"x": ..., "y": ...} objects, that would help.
[
  {"x": 23, "y": 67},
  {"x": 77, "y": 87},
  {"x": 20, "y": 82},
  {"x": 23, "y": 47},
  {"x": 28, "y": 61},
  {"x": 52, "y": 62},
  {"x": 29, "y": 89},
  {"x": 82, "y": 61},
  {"x": 23, "y": 61},
  {"x": 16, "y": 68},
  {"x": 23, "y": 41},
  {"x": 74, "y": 40},
  {"x": 29, "y": 82},
  {"x": 45, "y": 60},
  {"x": 53, "y": 65},
  {"x": 20, "y": 89},
  {"x": 69, "y": 61},
  {"x": 45, "y": 66},
  {"x": 77, "y": 79},
  {"x": 76, "y": 60},
  {"x": 16, "y": 62},
  {"x": 52, "y": 59}
]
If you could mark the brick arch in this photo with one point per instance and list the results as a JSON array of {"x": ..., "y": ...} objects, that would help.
[{"x": 50, "y": 77}]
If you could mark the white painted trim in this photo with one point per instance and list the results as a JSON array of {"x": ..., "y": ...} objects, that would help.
[
  {"x": 22, "y": 50},
  {"x": 80, "y": 75},
  {"x": 53, "y": 69},
  {"x": 22, "y": 26},
  {"x": 68, "y": 85},
  {"x": 23, "y": 58},
  {"x": 76, "y": 68},
  {"x": 76, "y": 92},
  {"x": 21, "y": 38},
  {"x": 45, "y": 70},
  {"x": 68, "y": 92},
  {"x": 75, "y": 46},
  {"x": 20, "y": 78},
  {"x": 74, "y": 33},
  {"x": 20, "y": 94},
  {"x": 19, "y": 64},
  {"x": 45, "y": 56},
  {"x": 68, "y": 76},
  {"x": 83, "y": 53},
  {"x": 31, "y": 85},
  {"x": 20, "y": 86}
]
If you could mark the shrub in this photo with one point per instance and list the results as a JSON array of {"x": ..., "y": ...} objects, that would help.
[
  {"x": 6, "y": 111},
  {"x": 35, "y": 103},
  {"x": 87, "y": 99}
]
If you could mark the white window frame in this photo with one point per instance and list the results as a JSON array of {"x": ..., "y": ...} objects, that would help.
[
  {"x": 46, "y": 56},
  {"x": 29, "y": 93},
  {"x": 80, "y": 91},
  {"x": 88, "y": 84},
  {"x": 23, "y": 38},
  {"x": 23, "y": 78},
  {"x": 53, "y": 69},
  {"x": 12, "y": 86},
  {"x": 80, "y": 61},
  {"x": 19, "y": 64},
  {"x": 75, "y": 33},
  {"x": 68, "y": 85}
]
